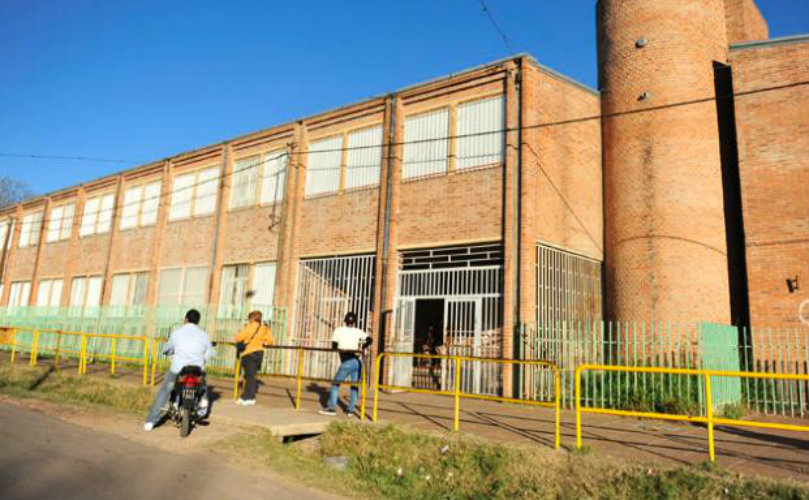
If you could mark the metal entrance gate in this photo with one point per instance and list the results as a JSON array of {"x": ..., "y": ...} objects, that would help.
[
  {"x": 472, "y": 325},
  {"x": 327, "y": 289}
]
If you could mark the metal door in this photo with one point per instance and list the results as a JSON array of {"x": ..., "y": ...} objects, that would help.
[
  {"x": 462, "y": 328},
  {"x": 405, "y": 319}
]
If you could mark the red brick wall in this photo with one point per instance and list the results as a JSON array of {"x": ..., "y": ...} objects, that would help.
[
  {"x": 250, "y": 235},
  {"x": 773, "y": 138},
  {"x": 666, "y": 254},
  {"x": 338, "y": 223},
  {"x": 744, "y": 21},
  {"x": 562, "y": 201}
]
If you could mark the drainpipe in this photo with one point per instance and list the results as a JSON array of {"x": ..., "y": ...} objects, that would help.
[
  {"x": 386, "y": 227},
  {"x": 517, "y": 228},
  {"x": 223, "y": 172}
]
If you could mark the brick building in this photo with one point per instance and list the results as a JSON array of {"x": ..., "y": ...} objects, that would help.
[{"x": 460, "y": 207}]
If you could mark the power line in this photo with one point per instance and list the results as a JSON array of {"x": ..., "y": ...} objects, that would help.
[
  {"x": 496, "y": 26},
  {"x": 67, "y": 158},
  {"x": 457, "y": 136}
]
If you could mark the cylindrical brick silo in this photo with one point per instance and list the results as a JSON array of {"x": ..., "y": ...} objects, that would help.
[{"x": 666, "y": 255}]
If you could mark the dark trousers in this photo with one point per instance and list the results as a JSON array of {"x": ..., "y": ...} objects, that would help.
[{"x": 251, "y": 364}]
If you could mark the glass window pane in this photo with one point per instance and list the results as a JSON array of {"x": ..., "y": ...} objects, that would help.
[
  {"x": 67, "y": 222},
  {"x": 194, "y": 286},
  {"x": 150, "y": 204},
  {"x": 273, "y": 178},
  {"x": 263, "y": 286},
  {"x": 168, "y": 290},
  {"x": 44, "y": 293},
  {"x": 105, "y": 213},
  {"x": 363, "y": 157},
  {"x": 207, "y": 185},
  {"x": 181, "y": 194},
  {"x": 245, "y": 177},
  {"x": 120, "y": 290},
  {"x": 131, "y": 207},
  {"x": 426, "y": 144},
  {"x": 77, "y": 292},
  {"x": 140, "y": 289},
  {"x": 323, "y": 166},
  {"x": 481, "y": 132},
  {"x": 55, "y": 224},
  {"x": 88, "y": 218}
]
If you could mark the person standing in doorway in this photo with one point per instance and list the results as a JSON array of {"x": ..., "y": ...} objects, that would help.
[
  {"x": 348, "y": 340},
  {"x": 255, "y": 336}
]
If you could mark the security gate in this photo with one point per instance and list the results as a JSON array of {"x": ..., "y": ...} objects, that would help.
[
  {"x": 327, "y": 289},
  {"x": 461, "y": 306}
]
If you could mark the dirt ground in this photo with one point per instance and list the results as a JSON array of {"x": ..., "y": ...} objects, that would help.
[{"x": 64, "y": 451}]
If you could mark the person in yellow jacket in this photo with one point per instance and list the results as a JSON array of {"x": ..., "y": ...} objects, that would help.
[{"x": 255, "y": 336}]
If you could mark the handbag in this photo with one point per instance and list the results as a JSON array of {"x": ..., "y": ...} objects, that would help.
[{"x": 241, "y": 346}]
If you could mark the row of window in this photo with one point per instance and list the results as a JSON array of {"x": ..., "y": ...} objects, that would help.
[
  {"x": 352, "y": 160},
  {"x": 176, "y": 286}
]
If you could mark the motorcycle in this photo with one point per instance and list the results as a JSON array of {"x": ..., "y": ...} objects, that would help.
[{"x": 188, "y": 403}]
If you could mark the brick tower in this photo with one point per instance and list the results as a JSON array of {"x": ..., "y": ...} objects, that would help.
[{"x": 666, "y": 255}]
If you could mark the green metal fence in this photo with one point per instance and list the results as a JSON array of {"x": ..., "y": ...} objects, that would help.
[
  {"x": 673, "y": 345},
  {"x": 155, "y": 322}
]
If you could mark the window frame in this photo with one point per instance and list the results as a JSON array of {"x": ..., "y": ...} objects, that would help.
[
  {"x": 194, "y": 187},
  {"x": 98, "y": 220},
  {"x": 142, "y": 199},
  {"x": 65, "y": 224},
  {"x": 31, "y": 229}
]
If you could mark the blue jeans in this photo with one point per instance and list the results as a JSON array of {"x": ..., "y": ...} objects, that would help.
[
  {"x": 351, "y": 370},
  {"x": 162, "y": 398}
]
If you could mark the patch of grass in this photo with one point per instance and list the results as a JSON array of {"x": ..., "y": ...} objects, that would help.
[
  {"x": 397, "y": 464},
  {"x": 22, "y": 380},
  {"x": 734, "y": 411}
]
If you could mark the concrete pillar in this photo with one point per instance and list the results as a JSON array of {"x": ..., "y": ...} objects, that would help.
[
  {"x": 160, "y": 234},
  {"x": 43, "y": 229},
  {"x": 12, "y": 254},
  {"x": 220, "y": 221},
  {"x": 73, "y": 246}
]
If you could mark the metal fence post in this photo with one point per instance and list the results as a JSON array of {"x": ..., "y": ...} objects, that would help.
[
  {"x": 457, "y": 391},
  {"x": 556, "y": 407},
  {"x": 709, "y": 415},
  {"x": 112, "y": 355},
  {"x": 145, "y": 341},
  {"x": 236, "y": 374},
  {"x": 32, "y": 360},
  {"x": 300, "y": 380},
  {"x": 14, "y": 344},
  {"x": 577, "y": 401},
  {"x": 376, "y": 385}
]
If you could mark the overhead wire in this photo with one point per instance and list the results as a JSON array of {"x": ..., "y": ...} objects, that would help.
[{"x": 571, "y": 121}]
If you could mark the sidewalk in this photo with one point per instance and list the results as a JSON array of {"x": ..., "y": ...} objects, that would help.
[{"x": 772, "y": 453}]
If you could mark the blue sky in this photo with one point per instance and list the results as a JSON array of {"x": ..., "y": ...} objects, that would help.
[{"x": 142, "y": 80}]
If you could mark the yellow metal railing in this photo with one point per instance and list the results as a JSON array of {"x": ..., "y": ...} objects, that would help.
[
  {"x": 709, "y": 419},
  {"x": 83, "y": 352},
  {"x": 457, "y": 362},
  {"x": 8, "y": 336},
  {"x": 300, "y": 377}
]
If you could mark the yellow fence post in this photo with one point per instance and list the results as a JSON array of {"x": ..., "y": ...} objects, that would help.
[
  {"x": 32, "y": 360},
  {"x": 236, "y": 374},
  {"x": 557, "y": 383},
  {"x": 377, "y": 377},
  {"x": 154, "y": 359},
  {"x": 84, "y": 345},
  {"x": 58, "y": 348},
  {"x": 709, "y": 415},
  {"x": 112, "y": 355},
  {"x": 363, "y": 389},
  {"x": 577, "y": 399},
  {"x": 457, "y": 392},
  {"x": 14, "y": 344},
  {"x": 300, "y": 380},
  {"x": 145, "y": 341}
]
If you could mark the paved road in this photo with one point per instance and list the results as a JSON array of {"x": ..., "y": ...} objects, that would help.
[{"x": 43, "y": 457}]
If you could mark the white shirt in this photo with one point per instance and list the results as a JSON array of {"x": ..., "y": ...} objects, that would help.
[
  {"x": 188, "y": 345},
  {"x": 348, "y": 338}
]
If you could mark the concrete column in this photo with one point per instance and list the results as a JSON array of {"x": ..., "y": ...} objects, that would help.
[
  {"x": 42, "y": 239},
  {"x": 160, "y": 234},
  {"x": 382, "y": 308},
  {"x": 12, "y": 254},
  {"x": 114, "y": 230},
  {"x": 73, "y": 246},
  {"x": 223, "y": 201},
  {"x": 511, "y": 225}
]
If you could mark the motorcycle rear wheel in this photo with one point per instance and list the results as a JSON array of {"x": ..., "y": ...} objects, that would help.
[{"x": 185, "y": 422}]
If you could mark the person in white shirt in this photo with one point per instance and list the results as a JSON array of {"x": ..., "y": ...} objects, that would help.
[
  {"x": 188, "y": 345},
  {"x": 349, "y": 341}
]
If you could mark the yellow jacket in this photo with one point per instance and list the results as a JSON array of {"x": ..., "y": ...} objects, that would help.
[{"x": 260, "y": 338}]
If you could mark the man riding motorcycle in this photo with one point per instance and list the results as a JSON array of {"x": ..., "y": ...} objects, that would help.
[{"x": 188, "y": 345}]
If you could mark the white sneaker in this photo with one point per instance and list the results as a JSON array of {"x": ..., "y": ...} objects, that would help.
[
  {"x": 240, "y": 402},
  {"x": 148, "y": 426},
  {"x": 328, "y": 413},
  {"x": 249, "y": 402}
]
